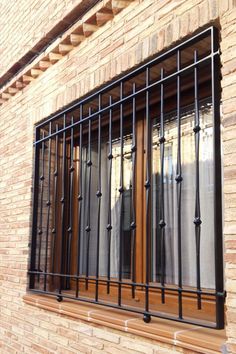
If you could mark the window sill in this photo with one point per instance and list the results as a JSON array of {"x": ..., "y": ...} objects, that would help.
[{"x": 191, "y": 337}]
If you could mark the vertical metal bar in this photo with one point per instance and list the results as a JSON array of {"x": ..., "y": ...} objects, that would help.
[
  {"x": 88, "y": 226},
  {"x": 121, "y": 190},
  {"x": 63, "y": 200},
  {"x": 80, "y": 196},
  {"x": 40, "y": 229},
  {"x": 197, "y": 219},
  {"x": 215, "y": 86},
  {"x": 99, "y": 195},
  {"x": 162, "y": 222},
  {"x": 55, "y": 202},
  {"x": 148, "y": 196},
  {"x": 70, "y": 230},
  {"x": 133, "y": 208},
  {"x": 35, "y": 210},
  {"x": 109, "y": 225},
  {"x": 48, "y": 203},
  {"x": 179, "y": 180}
]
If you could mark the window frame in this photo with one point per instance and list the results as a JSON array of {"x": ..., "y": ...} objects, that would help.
[{"x": 215, "y": 91}]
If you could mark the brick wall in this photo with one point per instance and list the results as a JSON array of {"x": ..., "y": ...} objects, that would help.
[
  {"x": 138, "y": 32},
  {"x": 25, "y": 24},
  {"x": 228, "y": 48}
]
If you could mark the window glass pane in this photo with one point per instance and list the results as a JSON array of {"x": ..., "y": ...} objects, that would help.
[
  {"x": 88, "y": 249},
  {"x": 166, "y": 256}
]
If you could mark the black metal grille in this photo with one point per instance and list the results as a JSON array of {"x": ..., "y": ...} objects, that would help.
[{"x": 88, "y": 242}]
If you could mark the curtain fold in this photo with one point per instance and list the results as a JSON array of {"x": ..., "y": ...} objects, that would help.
[
  {"x": 188, "y": 249},
  {"x": 90, "y": 248}
]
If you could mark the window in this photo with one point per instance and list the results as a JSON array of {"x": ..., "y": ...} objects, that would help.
[{"x": 127, "y": 193}]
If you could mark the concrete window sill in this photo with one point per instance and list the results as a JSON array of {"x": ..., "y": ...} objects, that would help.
[{"x": 186, "y": 336}]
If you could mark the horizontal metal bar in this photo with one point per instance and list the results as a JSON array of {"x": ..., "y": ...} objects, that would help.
[
  {"x": 205, "y": 33},
  {"x": 158, "y": 287},
  {"x": 129, "y": 97},
  {"x": 130, "y": 308}
]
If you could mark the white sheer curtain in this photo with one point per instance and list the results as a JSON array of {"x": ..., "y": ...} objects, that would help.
[
  {"x": 188, "y": 249},
  {"x": 188, "y": 256},
  {"x": 115, "y": 208}
]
